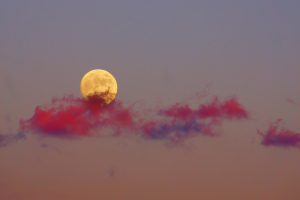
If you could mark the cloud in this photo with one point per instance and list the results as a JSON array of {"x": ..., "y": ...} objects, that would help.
[
  {"x": 228, "y": 109},
  {"x": 180, "y": 121},
  {"x": 71, "y": 117},
  {"x": 11, "y": 138},
  {"x": 277, "y": 135}
]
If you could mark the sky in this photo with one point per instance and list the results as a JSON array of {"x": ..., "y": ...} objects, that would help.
[{"x": 161, "y": 53}]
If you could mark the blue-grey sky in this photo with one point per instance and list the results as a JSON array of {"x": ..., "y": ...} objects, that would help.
[{"x": 161, "y": 52}]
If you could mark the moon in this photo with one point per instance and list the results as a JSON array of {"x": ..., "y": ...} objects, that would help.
[{"x": 100, "y": 84}]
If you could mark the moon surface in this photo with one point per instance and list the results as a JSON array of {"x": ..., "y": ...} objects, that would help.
[{"x": 100, "y": 84}]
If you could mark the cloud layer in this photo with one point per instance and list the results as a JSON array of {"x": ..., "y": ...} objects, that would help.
[{"x": 70, "y": 117}]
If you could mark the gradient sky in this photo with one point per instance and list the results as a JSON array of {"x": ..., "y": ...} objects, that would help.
[{"x": 161, "y": 52}]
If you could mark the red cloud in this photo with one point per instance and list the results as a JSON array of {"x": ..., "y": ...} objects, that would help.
[
  {"x": 76, "y": 117},
  {"x": 276, "y": 135},
  {"x": 230, "y": 108},
  {"x": 70, "y": 116},
  {"x": 181, "y": 121}
]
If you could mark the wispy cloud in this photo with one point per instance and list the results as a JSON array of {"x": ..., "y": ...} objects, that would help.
[{"x": 278, "y": 135}]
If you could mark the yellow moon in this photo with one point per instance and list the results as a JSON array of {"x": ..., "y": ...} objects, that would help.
[{"x": 100, "y": 84}]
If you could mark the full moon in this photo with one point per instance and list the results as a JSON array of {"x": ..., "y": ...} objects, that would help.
[{"x": 100, "y": 84}]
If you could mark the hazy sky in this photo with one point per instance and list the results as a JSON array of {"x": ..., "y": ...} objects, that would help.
[{"x": 161, "y": 52}]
